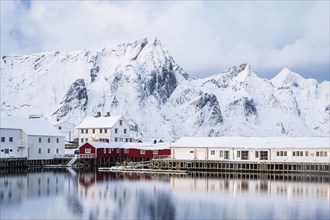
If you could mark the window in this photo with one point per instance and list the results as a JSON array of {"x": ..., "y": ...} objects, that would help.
[
  {"x": 245, "y": 155},
  {"x": 226, "y": 155},
  {"x": 306, "y": 153},
  {"x": 263, "y": 155},
  {"x": 221, "y": 153},
  {"x": 126, "y": 140},
  {"x": 317, "y": 153},
  {"x": 59, "y": 127},
  {"x": 126, "y": 151},
  {"x": 293, "y": 153},
  {"x": 3, "y": 139},
  {"x": 11, "y": 150},
  {"x": 155, "y": 152},
  {"x": 116, "y": 139},
  {"x": 39, "y": 140},
  {"x": 285, "y": 153},
  {"x": 212, "y": 152},
  {"x": 321, "y": 153},
  {"x": 325, "y": 153},
  {"x": 93, "y": 131},
  {"x": 278, "y": 153},
  {"x": 49, "y": 150},
  {"x": 86, "y": 131},
  {"x": 6, "y": 151},
  {"x": 10, "y": 139},
  {"x": 125, "y": 131},
  {"x": 87, "y": 150},
  {"x": 121, "y": 122},
  {"x": 301, "y": 153},
  {"x": 105, "y": 130},
  {"x": 256, "y": 154},
  {"x": 142, "y": 152},
  {"x": 48, "y": 140},
  {"x": 39, "y": 150},
  {"x": 282, "y": 153},
  {"x": 238, "y": 153},
  {"x": 57, "y": 140},
  {"x": 121, "y": 140},
  {"x": 191, "y": 151},
  {"x": 82, "y": 131},
  {"x": 82, "y": 140},
  {"x": 86, "y": 139},
  {"x": 116, "y": 130},
  {"x": 57, "y": 150},
  {"x": 101, "y": 130},
  {"x": 105, "y": 151}
]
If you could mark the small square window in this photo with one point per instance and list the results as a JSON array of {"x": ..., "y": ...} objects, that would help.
[
  {"x": 126, "y": 151},
  {"x": 212, "y": 152},
  {"x": 87, "y": 150},
  {"x": 10, "y": 139},
  {"x": 155, "y": 152},
  {"x": 142, "y": 152}
]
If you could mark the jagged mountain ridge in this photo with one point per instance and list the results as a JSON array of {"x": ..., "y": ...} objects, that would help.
[{"x": 142, "y": 81}]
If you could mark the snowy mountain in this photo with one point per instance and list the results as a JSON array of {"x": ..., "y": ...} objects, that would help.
[{"x": 142, "y": 81}]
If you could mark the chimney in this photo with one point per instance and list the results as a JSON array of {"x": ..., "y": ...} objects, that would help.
[
  {"x": 108, "y": 114},
  {"x": 98, "y": 114}
]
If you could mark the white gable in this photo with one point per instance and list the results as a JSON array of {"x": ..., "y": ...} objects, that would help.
[
  {"x": 99, "y": 122},
  {"x": 254, "y": 142},
  {"x": 37, "y": 126}
]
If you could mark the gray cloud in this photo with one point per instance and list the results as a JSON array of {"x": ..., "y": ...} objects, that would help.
[{"x": 203, "y": 37}]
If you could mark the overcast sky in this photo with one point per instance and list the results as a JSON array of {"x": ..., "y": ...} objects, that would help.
[{"x": 203, "y": 37}]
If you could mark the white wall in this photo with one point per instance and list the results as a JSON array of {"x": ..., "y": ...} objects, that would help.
[
  {"x": 34, "y": 146},
  {"x": 205, "y": 154},
  {"x": 15, "y": 149}
]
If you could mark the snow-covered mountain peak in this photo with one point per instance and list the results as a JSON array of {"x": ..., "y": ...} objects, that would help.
[
  {"x": 286, "y": 77},
  {"x": 141, "y": 81}
]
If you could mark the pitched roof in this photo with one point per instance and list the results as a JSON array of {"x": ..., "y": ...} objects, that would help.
[
  {"x": 254, "y": 142},
  {"x": 36, "y": 126},
  {"x": 99, "y": 122},
  {"x": 99, "y": 144},
  {"x": 129, "y": 145}
]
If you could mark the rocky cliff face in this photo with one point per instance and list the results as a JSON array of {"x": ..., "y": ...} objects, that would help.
[{"x": 142, "y": 81}]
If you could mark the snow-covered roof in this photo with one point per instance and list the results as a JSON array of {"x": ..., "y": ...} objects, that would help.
[
  {"x": 146, "y": 146},
  {"x": 99, "y": 122},
  {"x": 36, "y": 126},
  {"x": 99, "y": 144},
  {"x": 130, "y": 145},
  {"x": 254, "y": 142}
]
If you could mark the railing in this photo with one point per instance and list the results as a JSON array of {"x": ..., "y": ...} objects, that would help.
[
  {"x": 161, "y": 157},
  {"x": 86, "y": 155}
]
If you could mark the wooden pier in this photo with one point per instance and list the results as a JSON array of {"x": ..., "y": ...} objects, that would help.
[{"x": 245, "y": 167}]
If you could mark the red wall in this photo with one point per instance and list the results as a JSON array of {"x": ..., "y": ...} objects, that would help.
[
  {"x": 148, "y": 153},
  {"x": 101, "y": 154},
  {"x": 84, "y": 147}
]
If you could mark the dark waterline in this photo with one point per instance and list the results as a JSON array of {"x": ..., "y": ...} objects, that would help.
[{"x": 71, "y": 194}]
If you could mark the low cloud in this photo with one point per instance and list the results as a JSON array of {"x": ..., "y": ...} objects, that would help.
[{"x": 203, "y": 37}]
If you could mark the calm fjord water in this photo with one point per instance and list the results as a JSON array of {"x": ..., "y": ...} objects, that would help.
[{"x": 67, "y": 194}]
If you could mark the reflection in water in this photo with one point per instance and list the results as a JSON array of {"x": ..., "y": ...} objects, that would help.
[{"x": 64, "y": 194}]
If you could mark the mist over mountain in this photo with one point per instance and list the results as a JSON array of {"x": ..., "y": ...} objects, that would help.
[{"x": 141, "y": 81}]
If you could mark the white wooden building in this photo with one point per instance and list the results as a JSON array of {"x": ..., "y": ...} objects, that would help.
[
  {"x": 111, "y": 128},
  {"x": 31, "y": 138},
  {"x": 275, "y": 149},
  {"x": 66, "y": 128}
]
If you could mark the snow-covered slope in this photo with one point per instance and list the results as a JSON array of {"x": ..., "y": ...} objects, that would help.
[{"x": 142, "y": 81}]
